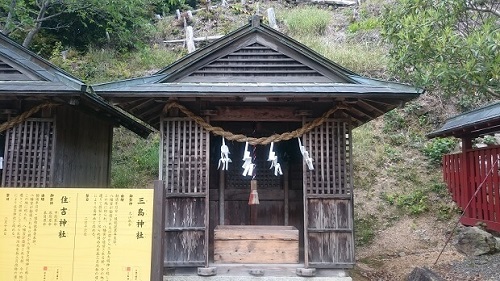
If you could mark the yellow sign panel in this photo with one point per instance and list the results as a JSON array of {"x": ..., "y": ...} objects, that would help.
[{"x": 75, "y": 234}]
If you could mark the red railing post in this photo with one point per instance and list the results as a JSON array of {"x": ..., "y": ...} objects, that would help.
[{"x": 466, "y": 180}]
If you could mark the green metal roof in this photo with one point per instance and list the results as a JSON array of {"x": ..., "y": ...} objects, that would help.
[
  {"x": 323, "y": 81},
  {"x": 474, "y": 123}
]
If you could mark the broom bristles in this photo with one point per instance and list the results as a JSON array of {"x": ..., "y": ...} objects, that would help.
[{"x": 254, "y": 198}]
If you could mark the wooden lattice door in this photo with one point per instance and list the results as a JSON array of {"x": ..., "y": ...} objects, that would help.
[
  {"x": 328, "y": 219},
  {"x": 184, "y": 170},
  {"x": 29, "y": 150}
]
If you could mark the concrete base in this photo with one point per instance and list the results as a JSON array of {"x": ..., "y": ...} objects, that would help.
[
  {"x": 264, "y": 272},
  {"x": 252, "y": 278},
  {"x": 306, "y": 272},
  {"x": 207, "y": 271}
]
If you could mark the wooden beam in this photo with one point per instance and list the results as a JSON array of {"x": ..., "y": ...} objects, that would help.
[
  {"x": 374, "y": 108},
  {"x": 262, "y": 113},
  {"x": 370, "y": 114}
]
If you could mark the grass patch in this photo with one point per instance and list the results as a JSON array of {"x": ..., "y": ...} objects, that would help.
[
  {"x": 307, "y": 20},
  {"x": 365, "y": 59},
  {"x": 413, "y": 203},
  {"x": 364, "y": 25},
  {"x": 364, "y": 229},
  {"x": 104, "y": 65},
  {"x": 134, "y": 160}
]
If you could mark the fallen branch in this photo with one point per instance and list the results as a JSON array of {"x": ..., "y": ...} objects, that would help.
[
  {"x": 197, "y": 39},
  {"x": 333, "y": 2}
]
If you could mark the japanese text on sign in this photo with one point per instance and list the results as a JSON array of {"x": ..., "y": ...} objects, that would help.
[{"x": 75, "y": 234}]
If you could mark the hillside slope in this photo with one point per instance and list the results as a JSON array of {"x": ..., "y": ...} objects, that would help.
[{"x": 403, "y": 213}]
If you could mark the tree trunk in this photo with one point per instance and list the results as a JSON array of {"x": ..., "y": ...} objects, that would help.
[
  {"x": 38, "y": 24},
  {"x": 8, "y": 22}
]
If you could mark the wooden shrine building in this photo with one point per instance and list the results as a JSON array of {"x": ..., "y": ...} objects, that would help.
[
  {"x": 53, "y": 131},
  {"x": 473, "y": 175},
  {"x": 259, "y": 86}
]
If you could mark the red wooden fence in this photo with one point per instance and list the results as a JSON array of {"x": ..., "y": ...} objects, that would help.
[{"x": 475, "y": 174}]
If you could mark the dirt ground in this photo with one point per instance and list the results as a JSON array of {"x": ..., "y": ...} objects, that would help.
[{"x": 409, "y": 243}]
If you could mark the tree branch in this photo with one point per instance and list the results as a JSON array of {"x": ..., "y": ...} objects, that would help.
[
  {"x": 48, "y": 17},
  {"x": 486, "y": 10},
  {"x": 60, "y": 13},
  {"x": 489, "y": 90}
]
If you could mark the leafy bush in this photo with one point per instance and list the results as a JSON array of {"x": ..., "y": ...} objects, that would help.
[
  {"x": 364, "y": 25},
  {"x": 436, "y": 148},
  {"x": 307, "y": 20},
  {"x": 414, "y": 203},
  {"x": 393, "y": 121}
]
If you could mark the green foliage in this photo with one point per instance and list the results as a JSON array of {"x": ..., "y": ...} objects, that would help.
[
  {"x": 413, "y": 203},
  {"x": 445, "y": 212},
  {"x": 364, "y": 229},
  {"x": 361, "y": 58},
  {"x": 135, "y": 160},
  {"x": 122, "y": 25},
  {"x": 452, "y": 45},
  {"x": 307, "y": 20},
  {"x": 468, "y": 102},
  {"x": 393, "y": 121},
  {"x": 103, "y": 65},
  {"x": 364, "y": 25},
  {"x": 393, "y": 154},
  {"x": 436, "y": 148},
  {"x": 489, "y": 140}
]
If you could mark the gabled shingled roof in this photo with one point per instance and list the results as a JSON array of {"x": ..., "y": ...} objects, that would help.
[
  {"x": 474, "y": 123},
  {"x": 257, "y": 62},
  {"x": 25, "y": 75}
]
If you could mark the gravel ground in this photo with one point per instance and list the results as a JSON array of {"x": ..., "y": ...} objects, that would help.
[{"x": 482, "y": 268}]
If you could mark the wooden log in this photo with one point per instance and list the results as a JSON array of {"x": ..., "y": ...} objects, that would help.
[
  {"x": 272, "y": 18},
  {"x": 189, "y": 39},
  {"x": 197, "y": 39},
  {"x": 331, "y": 2}
]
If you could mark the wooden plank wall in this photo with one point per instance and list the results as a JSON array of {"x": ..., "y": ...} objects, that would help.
[
  {"x": 82, "y": 156},
  {"x": 29, "y": 151},
  {"x": 328, "y": 197},
  {"x": 184, "y": 170}
]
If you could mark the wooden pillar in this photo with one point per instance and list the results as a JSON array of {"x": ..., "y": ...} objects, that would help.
[
  {"x": 207, "y": 196},
  {"x": 158, "y": 254},
  {"x": 222, "y": 187},
  {"x": 305, "y": 205},
  {"x": 286, "y": 193},
  {"x": 467, "y": 181}
]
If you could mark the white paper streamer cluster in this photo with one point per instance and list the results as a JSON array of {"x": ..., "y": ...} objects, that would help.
[
  {"x": 305, "y": 156},
  {"x": 248, "y": 166},
  {"x": 274, "y": 161},
  {"x": 224, "y": 156}
]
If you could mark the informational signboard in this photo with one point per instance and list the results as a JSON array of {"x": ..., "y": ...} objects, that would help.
[{"x": 75, "y": 234}]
